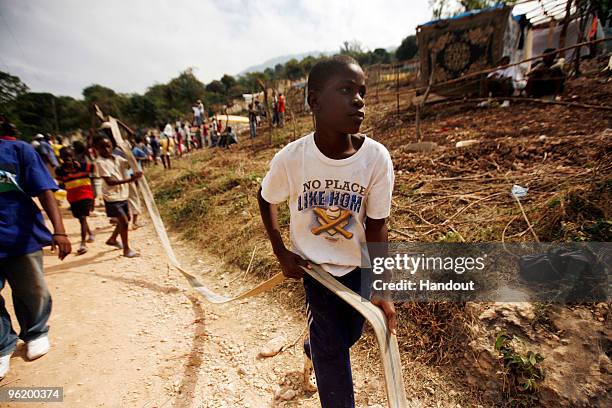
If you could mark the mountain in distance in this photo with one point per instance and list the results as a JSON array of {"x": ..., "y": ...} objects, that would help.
[{"x": 271, "y": 63}]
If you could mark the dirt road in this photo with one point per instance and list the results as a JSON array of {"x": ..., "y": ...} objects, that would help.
[{"x": 131, "y": 333}]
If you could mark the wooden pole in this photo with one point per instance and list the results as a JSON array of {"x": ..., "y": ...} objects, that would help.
[
  {"x": 397, "y": 90},
  {"x": 377, "y": 83},
  {"x": 584, "y": 6},
  {"x": 268, "y": 113},
  {"x": 419, "y": 106},
  {"x": 293, "y": 124},
  {"x": 566, "y": 20}
]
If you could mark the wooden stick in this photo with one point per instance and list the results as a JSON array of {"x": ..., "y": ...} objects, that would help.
[
  {"x": 504, "y": 235},
  {"x": 293, "y": 125},
  {"x": 526, "y": 219},
  {"x": 248, "y": 269},
  {"x": 470, "y": 205},
  {"x": 377, "y": 83},
  {"x": 417, "y": 118},
  {"x": 582, "y": 27},
  {"x": 397, "y": 90},
  {"x": 293, "y": 343},
  {"x": 566, "y": 20},
  {"x": 395, "y": 231}
]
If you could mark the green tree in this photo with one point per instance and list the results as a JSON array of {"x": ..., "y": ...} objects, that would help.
[
  {"x": 308, "y": 62},
  {"x": 158, "y": 96},
  {"x": 294, "y": 70},
  {"x": 10, "y": 87},
  {"x": 33, "y": 113},
  {"x": 72, "y": 114},
  {"x": 228, "y": 82},
  {"x": 184, "y": 90},
  {"x": 407, "y": 49},
  {"x": 108, "y": 100},
  {"x": 270, "y": 73},
  {"x": 216, "y": 86},
  {"x": 279, "y": 71},
  {"x": 381, "y": 56},
  {"x": 351, "y": 48},
  {"x": 140, "y": 110}
]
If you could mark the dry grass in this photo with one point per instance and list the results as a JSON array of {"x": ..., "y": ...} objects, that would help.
[{"x": 449, "y": 194}]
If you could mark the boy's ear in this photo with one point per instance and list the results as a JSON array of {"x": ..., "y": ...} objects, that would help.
[{"x": 312, "y": 100}]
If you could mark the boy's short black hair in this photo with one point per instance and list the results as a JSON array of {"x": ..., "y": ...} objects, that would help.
[
  {"x": 100, "y": 137},
  {"x": 65, "y": 150},
  {"x": 326, "y": 68},
  {"x": 7, "y": 129},
  {"x": 79, "y": 147}
]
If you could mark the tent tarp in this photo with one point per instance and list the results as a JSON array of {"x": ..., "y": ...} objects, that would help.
[
  {"x": 459, "y": 46},
  {"x": 548, "y": 37},
  {"x": 462, "y": 15}
]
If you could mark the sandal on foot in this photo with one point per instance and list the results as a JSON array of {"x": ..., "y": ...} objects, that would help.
[
  {"x": 82, "y": 249},
  {"x": 90, "y": 239},
  {"x": 115, "y": 244}
]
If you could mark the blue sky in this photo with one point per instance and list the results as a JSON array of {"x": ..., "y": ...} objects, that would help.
[{"x": 62, "y": 46}]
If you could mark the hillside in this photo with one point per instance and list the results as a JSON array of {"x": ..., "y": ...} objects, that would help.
[{"x": 449, "y": 194}]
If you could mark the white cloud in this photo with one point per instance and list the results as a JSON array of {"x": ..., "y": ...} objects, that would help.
[{"x": 67, "y": 45}]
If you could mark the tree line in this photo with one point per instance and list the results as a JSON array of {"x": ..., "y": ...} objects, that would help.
[{"x": 42, "y": 112}]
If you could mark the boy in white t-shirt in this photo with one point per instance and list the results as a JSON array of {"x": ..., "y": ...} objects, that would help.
[
  {"x": 112, "y": 170},
  {"x": 339, "y": 185}
]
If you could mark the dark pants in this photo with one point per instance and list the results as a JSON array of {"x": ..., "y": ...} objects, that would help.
[
  {"x": 31, "y": 299},
  {"x": 499, "y": 87},
  {"x": 334, "y": 327},
  {"x": 546, "y": 82}
]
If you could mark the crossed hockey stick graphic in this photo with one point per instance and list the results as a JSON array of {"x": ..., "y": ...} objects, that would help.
[{"x": 332, "y": 223}]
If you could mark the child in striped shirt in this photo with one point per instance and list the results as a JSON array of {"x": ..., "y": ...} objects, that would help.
[{"x": 75, "y": 176}]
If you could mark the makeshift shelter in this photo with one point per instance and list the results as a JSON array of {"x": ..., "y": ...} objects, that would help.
[
  {"x": 476, "y": 40},
  {"x": 467, "y": 43}
]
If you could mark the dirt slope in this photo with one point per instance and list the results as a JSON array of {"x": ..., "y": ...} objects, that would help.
[{"x": 132, "y": 333}]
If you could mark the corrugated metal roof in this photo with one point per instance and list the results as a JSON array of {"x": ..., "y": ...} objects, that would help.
[{"x": 536, "y": 11}]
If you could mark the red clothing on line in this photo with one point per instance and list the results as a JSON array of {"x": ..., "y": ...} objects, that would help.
[{"x": 281, "y": 103}]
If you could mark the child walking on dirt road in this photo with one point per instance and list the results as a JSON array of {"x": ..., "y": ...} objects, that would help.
[
  {"x": 23, "y": 234},
  {"x": 339, "y": 184},
  {"x": 76, "y": 179},
  {"x": 115, "y": 191}
]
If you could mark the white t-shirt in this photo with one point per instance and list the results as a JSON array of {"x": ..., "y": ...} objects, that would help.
[
  {"x": 115, "y": 168},
  {"x": 512, "y": 72},
  {"x": 329, "y": 199},
  {"x": 168, "y": 131}
]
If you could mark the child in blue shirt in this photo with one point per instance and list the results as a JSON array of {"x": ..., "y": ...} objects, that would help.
[{"x": 23, "y": 234}]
